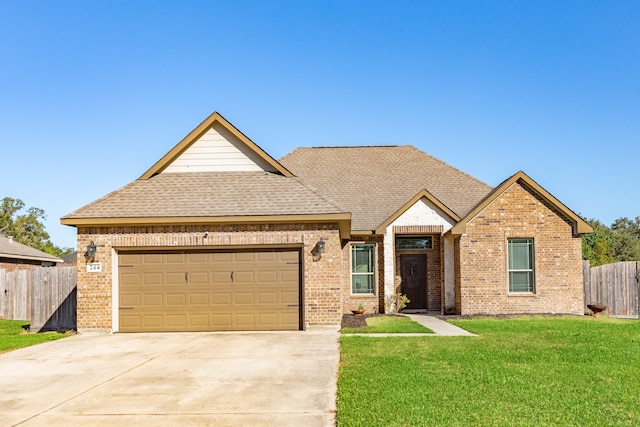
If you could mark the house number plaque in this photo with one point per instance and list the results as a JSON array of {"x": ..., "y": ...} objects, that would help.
[{"x": 94, "y": 267}]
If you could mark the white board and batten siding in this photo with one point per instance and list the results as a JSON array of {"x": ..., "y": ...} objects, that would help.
[{"x": 218, "y": 150}]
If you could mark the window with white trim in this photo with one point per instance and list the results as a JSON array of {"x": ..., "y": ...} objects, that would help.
[
  {"x": 362, "y": 269},
  {"x": 521, "y": 266}
]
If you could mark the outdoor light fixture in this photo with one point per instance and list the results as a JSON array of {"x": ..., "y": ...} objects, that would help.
[
  {"x": 318, "y": 250},
  {"x": 91, "y": 251}
]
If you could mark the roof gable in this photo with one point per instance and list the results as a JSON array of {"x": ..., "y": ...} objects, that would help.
[
  {"x": 215, "y": 145},
  {"x": 579, "y": 225},
  {"x": 424, "y": 194}
]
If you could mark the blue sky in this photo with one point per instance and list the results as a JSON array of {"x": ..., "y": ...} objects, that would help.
[{"x": 92, "y": 93}]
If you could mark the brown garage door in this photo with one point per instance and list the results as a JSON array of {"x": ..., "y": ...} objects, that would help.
[{"x": 209, "y": 291}]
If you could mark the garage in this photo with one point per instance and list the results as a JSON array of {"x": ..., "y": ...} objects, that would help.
[{"x": 209, "y": 290}]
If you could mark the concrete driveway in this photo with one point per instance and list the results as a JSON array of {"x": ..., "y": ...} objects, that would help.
[{"x": 221, "y": 379}]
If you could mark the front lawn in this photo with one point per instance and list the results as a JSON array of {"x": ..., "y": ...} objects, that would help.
[
  {"x": 543, "y": 371},
  {"x": 389, "y": 325},
  {"x": 13, "y": 335}
]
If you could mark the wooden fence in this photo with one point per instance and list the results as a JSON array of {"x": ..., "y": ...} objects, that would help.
[
  {"x": 615, "y": 285},
  {"x": 46, "y": 296}
]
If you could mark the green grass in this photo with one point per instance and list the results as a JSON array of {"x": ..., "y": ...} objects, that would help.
[
  {"x": 542, "y": 371},
  {"x": 13, "y": 335},
  {"x": 389, "y": 325}
]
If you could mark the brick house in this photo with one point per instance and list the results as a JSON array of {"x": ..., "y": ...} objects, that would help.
[
  {"x": 218, "y": 235},
  {"x": 16, "y": 256}
]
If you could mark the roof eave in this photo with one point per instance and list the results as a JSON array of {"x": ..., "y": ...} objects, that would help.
[
  {"x": 342, "y": 219},
  {"x": 31, "y": 258}
]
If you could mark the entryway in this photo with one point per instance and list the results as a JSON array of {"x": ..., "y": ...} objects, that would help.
[{"x": 413, "y": 271}]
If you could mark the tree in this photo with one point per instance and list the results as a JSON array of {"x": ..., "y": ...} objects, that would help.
[
  {"x": 596, "y": 245},
  {"x": 27, "y": 228},
  {"x": 620, "y": 242}
]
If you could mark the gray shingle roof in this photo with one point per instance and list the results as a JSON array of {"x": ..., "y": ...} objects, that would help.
[
  {"x": 12, "y": 249},
  {"x": 209, "y": 194},
  {"x": 373, "y": 182}
]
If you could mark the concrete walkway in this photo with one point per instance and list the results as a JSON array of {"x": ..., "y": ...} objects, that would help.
[
  {"x": 440, "y": 328},
  {"x": 169, "y": 379}
]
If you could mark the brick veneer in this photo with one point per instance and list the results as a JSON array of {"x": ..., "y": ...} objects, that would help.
[
  {"x": 322, "y": 278},
  {"x": 372, "y": 303},
  {"x": 482, "y": 272}
]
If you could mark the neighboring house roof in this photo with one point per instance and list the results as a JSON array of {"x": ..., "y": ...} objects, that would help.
[
  {"x": 9, "y": 248},
  {"x": 579, "y": 225},
  {"x": 375, "y": 183}
]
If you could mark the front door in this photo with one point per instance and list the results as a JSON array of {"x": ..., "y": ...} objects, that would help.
[{"x": 413, "y": 271}]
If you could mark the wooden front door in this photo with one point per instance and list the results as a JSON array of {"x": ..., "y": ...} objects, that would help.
[{"x": 413, "y": 271}]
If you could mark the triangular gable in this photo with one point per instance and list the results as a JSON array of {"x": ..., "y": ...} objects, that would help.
[
  {"x": 579, "y": 225},
  {"x": 423, "y": 194},
  {"x": 216, "y": 145}
]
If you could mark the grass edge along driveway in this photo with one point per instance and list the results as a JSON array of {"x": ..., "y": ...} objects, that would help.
[
  {"x": 529, "y": 370},
  {"x": 13, "y": 335}
]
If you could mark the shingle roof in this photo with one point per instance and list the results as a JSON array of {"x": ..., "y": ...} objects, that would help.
[
  {"x": 373, "y": 182},
  {"x": 209, "y": 194},
  {"x": 9, "y": 248}
]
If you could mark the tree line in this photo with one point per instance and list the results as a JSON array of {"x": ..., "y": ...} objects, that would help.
[
  {"x": 25, "y": 226},
  {"x": 619, "y": 242}
]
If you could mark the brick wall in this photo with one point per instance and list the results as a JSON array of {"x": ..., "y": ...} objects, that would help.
[
  {"x": 322, "y": 278},
  {"x": 372, "y": 303},
  {"x": 482, "y": 273}
]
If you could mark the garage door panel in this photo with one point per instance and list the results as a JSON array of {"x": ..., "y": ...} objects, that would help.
[
  {"x": 130, "y": 299},
  {"x": 175, "y": 259},
  {"x": 244, "y": 257},
  {"x": 244, "y": 298},
  {"x": 198, "y": 278},
  {"x": 245, "y": 319},
  {"x": 268, "y": 276},
  {"x": 177, "y": 299},
  {"x": 289, "y": 276},
  {"x": 198, "y": 298},
  {"x": 244, "y": 278},
  {"x": 222, "y": 298},
  {"x": 267, "y": 298},
  {"x": 221, "y": 258},
  {"x": 155, "y": 321},
  {"x": 199, "y": 320},
  {"x": 177, "y": 321},
  {"x": 130, "y": 321},
  {"x": 155, "y": 299},
  {"x": 153, "y": 279},
  {"x": 207, "y": 291},
  {"x": 151, "y": 259},
  {"x": 289, "y": 297},
  {"x": 174, "y": 278},
  {"x": 130, "y": 279},
  {"x": 221, "y": 277}
]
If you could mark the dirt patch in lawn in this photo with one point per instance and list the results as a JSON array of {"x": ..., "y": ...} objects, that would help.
[{"x": 358, "y": 321}]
